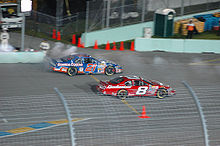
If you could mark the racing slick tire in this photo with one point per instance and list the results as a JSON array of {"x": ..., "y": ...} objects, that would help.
[
  {"x": 161, "y": 93},
  {"x": 109, "y": 70},
  {"x": 122, "y": 94},
  {"x": 72, "y": 71}
]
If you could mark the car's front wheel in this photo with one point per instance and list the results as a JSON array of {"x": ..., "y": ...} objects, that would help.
[
  {"x": 109, "y": 70},
  {"x": 72, "y": 71},
  {"x": 161, "y": 93},
  {"x": 122, "y": 94}
]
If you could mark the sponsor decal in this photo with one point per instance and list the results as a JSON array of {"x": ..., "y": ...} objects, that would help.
[
  {"x": 64, "y": 69},
  {"x": 69, "y": 64},
  {"x": 56, "y": 69},
  {"x": 81, "y": 69},
  {"x": 118, "y": 70},
  {"x": 112, "y": 87},
  {"x": 100, "y": 70},
  {"x": 156, "y": 87}
]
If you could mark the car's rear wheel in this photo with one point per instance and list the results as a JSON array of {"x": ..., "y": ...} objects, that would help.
[
  {"x": 109, "y": 70},
  {"x": 122, "y": 94},
  {"x": 161, "y": 93},
  {"x": 72, "y": 71}
]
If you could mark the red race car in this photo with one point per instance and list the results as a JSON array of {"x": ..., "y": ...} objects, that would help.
[{"x": 125, "y": 86}]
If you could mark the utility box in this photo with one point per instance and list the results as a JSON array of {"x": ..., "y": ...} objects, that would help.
[
  {"x": 147, "y": 32},
  {"x": 163, "y": 22}
]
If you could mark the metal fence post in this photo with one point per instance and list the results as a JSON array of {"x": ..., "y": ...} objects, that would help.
[
  {"x": 168, "y": 3},
  {"x": 143, "y": 10},
  {"x": 122, "y": 11},
  {"x": 182, "y": 8},
  {"x": 87, "y": 16},
  {"x": 71, "y": 129},
  {"x": 77, "y": 21},
  {"x": 108, "y": 13},
  {"x": 103, "y": 14},
  {"x": 201, "y": 114},
  {"x": 23, "y": 32},
  {"x": 207, "y": 4}
]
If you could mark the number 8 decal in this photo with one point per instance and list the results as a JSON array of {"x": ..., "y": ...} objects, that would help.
[{"x": 141, "y": 90}]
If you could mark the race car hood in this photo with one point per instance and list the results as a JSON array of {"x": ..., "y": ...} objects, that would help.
[
  {"x": 106, "y": 61},
  {"x": 155, "y": 82}
]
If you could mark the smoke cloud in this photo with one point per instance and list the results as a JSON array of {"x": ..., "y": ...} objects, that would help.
[
  {"x": 6, "y": 48},
  {"x": 60, "y": 50}
]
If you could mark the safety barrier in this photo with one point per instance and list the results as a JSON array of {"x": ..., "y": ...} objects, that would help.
[
  {"x": 21, "y": 57},
  {"x": 177, "y": 45}
]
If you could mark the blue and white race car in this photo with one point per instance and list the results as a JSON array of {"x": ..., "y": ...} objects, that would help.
[{"x": 83, "y": 64}]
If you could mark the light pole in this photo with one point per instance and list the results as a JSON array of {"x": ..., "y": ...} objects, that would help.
[{"x": 26, "y": 7}]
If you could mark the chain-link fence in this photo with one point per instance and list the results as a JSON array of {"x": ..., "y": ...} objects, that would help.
[
  {"x": 102, "y": 14},
  {"x": 43, "y": 23},
  {"x": 113, "y": 13}
]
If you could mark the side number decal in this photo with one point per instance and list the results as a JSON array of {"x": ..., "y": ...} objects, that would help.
[
  {"x": 141, "y": 90},
  {"x": 90, "y": 67}
]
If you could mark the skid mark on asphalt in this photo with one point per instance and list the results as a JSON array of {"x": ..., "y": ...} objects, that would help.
[
  {"x": 207, "y": 62},
  {"x": 123, "y": 101},
  {"x": 37, "y": 127}
]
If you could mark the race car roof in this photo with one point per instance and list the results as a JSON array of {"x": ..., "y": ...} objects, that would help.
[
  {"x": 131, "y": 77},
  {"x": 75, "y": 56}
]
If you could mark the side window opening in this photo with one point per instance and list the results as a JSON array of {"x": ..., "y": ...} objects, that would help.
[
  {"x": 136, "y": 83},
  {"x": 87, "y": 60},
  {"x": 78, "y": 61},
  {"x": 128, "y": 83},
  {"x": 144, "y": 84},
  {"x": 94, "y": 61}
]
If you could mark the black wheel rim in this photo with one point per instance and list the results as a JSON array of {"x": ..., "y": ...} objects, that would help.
[
  {"x": 122, "y": 94},
  {"x": 71, "y": 71},
  {"x": 110, "y": 70},
  {"x": 161, "y": 93}
]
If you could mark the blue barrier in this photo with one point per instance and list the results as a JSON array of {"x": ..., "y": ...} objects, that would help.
[{"x": 210, "y": 20}]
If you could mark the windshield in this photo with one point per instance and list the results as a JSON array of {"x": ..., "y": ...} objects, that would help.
[
  {"x": 117, "y": 80},
  {"x": 9, "y": 11},
  {"x": 148, "y": 81},
  {"x": 67, "y": 58}
]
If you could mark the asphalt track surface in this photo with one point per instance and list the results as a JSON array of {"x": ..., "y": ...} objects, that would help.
[{"x": 27, "y": 97}]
